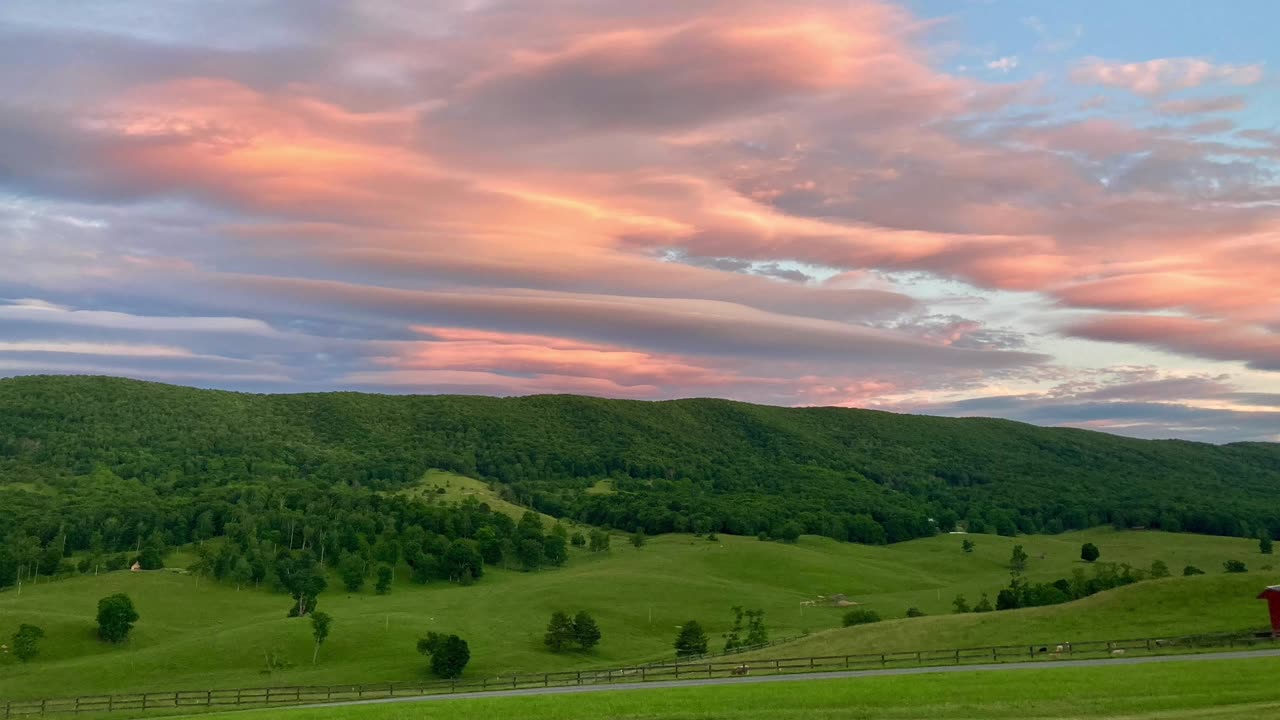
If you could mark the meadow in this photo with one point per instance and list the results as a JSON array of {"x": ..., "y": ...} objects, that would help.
[
  {"x": 1223, "y": 690},
  {"x": 197, "y": 634}
]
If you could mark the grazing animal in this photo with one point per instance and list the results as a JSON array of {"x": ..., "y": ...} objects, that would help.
[
  {"x": 1117, "y": 651},
  {"x": 740, "y": 670},
  {"x": 1044, "y": 649},
  {"x": 1058, "y": 649}
]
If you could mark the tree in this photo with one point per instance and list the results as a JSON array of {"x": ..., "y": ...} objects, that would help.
[
  {"x": 1190, "y": 570},
  {"x": 26, "y": 642},
  {"x": 1089, "y": 552},
  {"x": 578, "y": 539},
  {"x": 757, "y": 634},
  {"x": 585, "y": 630},
  {"x": 559, "y": 631},
  {"x": 241, "y": 572},
  {"x": 637, "y": 538},
  {"x": 914, "y": 612},
  {"x": 1018, "y": 560},
  {"x": 1264, "y": 543},
  {"x": 1234, "y": 566},
  {"x": 967, "y": 545},
  {"x": 984, "y": 605},
  {"x": 1159, "y": 569},
  {"x": 116, "y": 617},
  {"x": 961, "y": 605},
  {"x": 555, "y": 550},
  {"x": 384, "y": 580},
  {"x": 599, "y": 541},
  {"x": 320, "y": 622},
  {"x": 531, "y": 553},
  {"x": 352, "y": 569},
  {"x": 449, "y": 654},
  {"x": 462, "y": 560},
  {"x": 691, "y": 640}
]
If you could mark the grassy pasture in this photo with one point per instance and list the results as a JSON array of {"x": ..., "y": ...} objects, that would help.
[
  {"x": 1224, "y": 690},
  {"x": 204, "y": 635}
]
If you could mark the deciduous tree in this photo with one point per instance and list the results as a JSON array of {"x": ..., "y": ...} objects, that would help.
[{"x": 116, "y": 617}]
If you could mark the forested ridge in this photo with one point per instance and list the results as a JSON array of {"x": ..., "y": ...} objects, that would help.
[{"x": 141, "y": 459}]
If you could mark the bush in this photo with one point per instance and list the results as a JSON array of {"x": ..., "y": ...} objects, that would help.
[
  {"x": 1089, "y": 552},
  {"x": 1191, "y": 570},
  {"x": 1264, "y": 543},
  {"x": 914, "y": 612},
  {"x": 1234, "y": 566},
  {"x": 984, "y": 605},
  {"x": 861, "y": 616},
  {"x": 1159, "y": 569},
  {"x": 26, "y": 642}
]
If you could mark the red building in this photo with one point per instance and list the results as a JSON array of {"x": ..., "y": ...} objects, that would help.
[{"x": 1272, "y": 596}]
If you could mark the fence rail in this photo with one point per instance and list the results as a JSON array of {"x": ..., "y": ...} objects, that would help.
[{"x": 685, "y": 668}]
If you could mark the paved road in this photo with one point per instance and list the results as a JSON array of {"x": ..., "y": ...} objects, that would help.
[{"x": 801, "y": 677}]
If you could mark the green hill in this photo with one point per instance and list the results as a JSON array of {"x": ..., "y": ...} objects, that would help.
[
  {"x": 197, "y": 634},
  {"x": 686, "y": 465}
]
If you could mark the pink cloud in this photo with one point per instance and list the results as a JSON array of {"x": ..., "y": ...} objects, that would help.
[
  {"x": 1201, "y": 338},
  {"x": 1155, "y": 77},
  {"x": 1197, "y": 106}
]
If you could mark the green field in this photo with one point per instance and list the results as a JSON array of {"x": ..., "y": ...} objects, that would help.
[
  {"x": 208, "y": 635},
  {"x": 1225, "y": 690}
]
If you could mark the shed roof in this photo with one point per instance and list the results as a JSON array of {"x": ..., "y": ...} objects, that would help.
[{"x": 1273, "y": 590}]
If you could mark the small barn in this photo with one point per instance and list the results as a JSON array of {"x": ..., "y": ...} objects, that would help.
[{"x": 1272, "y": 596}]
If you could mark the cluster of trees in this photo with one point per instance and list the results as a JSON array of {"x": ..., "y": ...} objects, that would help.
[
  {"x": 137, "y": 461},
  {"x": 563, "y": 630}
]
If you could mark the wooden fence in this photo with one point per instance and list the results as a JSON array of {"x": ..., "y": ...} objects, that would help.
[{"x": 679, "y": 670}]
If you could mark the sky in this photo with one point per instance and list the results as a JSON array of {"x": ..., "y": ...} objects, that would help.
[{"x": 1060, "y": 213}]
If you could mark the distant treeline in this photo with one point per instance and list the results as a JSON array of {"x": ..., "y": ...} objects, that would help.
[{"x": 138, "y": 460}]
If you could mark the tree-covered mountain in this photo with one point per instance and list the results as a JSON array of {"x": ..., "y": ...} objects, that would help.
[{"x": 79, "y": 451}]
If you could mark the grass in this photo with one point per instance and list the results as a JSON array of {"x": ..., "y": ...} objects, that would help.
[
  {"x": 445, "y": 487},
  {"x": 1222, "y": 690},
  {"x": 210, "y": 636}
]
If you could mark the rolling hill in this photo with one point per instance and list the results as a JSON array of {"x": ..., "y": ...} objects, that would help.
[{"x": 687, "y": 465}]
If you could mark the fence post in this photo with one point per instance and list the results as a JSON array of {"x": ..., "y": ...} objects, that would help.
[
  {"x": 994, "y": 656},
  {"x": 579, "y": 677},
  {"x": 144, "y": 703},
  {"x": 1148, "y": 644},
  {"x": 546, "y": 680},
  {"x": 8, "y": 707}
]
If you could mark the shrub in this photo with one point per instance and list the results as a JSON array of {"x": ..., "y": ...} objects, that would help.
[
  {"x": 861, "y": 616},
  {"x": 1234, "y": 566},
  {"x": 1089, "y": 552},
  {"x": 1159, "y": 569},
  {"x": 984, "y": 605},
  {"x": 914, "y": 612},
  {"x": 26, "y": 642},
  {"x": 1191, "y": 570}
]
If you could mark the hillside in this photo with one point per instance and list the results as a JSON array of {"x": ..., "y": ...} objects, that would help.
[
  {"x": 674, "y": 466},
  {"x": 199, "y": 633}
]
